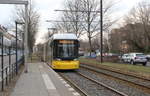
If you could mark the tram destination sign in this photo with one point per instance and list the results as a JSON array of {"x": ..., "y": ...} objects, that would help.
[{"x": 66, "y": 41}]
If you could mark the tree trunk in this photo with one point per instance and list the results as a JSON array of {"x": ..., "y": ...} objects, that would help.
[{"x": 90, "y": 45}]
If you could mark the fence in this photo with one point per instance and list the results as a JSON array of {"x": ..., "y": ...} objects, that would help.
[{"x": 11, "y": 60}]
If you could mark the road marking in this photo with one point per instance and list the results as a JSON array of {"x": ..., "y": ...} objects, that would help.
[
  {"x": 76, "y": 94},
  {"x": 71, "y": 89},
  {"x": 64, "y": 82},
  {"x": 59, "y": 77},
  {"x": 67, "y": 85},
  {"x": 48, "y": 83},
  {"x": 40, "y": 66}
]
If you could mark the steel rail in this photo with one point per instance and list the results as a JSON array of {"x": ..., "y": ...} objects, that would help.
[
  {"x": 102, "y": 84},
  {"x": 128, "y": 81},
  {"x": 74, "y": 85},
  {"x": 119, "y": 72}
]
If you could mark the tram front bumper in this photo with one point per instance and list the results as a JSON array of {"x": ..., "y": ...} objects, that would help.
[{"x": 65, "y": 64}]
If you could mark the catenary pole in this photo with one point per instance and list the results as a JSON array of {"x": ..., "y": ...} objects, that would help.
[
  {"x": 101, "y": 29},
  {"x": 16, "y": 48},
  {"x": 26, "y": 38}
]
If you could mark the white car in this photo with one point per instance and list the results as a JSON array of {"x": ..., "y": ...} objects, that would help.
[
  {"x": 148, "y": 57},
  {"x": 4, "y": 53},
  {"x": 134, "y": 58},
  {"x": 125, "y": 57}
]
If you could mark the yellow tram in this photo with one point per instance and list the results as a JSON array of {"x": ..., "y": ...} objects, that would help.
[{"x": 62, "y": 51}]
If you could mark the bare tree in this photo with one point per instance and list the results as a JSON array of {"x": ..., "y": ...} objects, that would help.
[
  {"x": 33, "y": 22},
  {"x": 92, "y": 18},
  {"x": 140, "y": 15},
  {"x": 84, "y": 18},
  {"x": 91, "y": 27},
  {"x": 135, "y": 31},
  {"x": 72, "y": 19}
]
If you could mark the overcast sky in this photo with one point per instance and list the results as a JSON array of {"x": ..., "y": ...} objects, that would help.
[{"x": 46, "y": 9}]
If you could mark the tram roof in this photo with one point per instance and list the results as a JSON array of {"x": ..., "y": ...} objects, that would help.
[{"x": 67, "y": 36}]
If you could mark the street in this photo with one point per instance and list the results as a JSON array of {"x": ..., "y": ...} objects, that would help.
[
  {"x": 6, "y": 61},
  {"x": 13, "y": 59}
]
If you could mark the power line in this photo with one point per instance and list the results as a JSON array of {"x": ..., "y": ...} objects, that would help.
[
  {"x": 77, "y": 11},
  {"x": 66, "y": 21}
]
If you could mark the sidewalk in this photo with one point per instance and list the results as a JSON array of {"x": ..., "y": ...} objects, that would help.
[{"x": 40, "y": 81}]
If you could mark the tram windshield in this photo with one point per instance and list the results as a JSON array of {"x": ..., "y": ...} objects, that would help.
[{"x": 65, "y": 49}]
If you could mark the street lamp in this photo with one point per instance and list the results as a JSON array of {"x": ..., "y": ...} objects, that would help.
[{"x": 16, "y": 23}]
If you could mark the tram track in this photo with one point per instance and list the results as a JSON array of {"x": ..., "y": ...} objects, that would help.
[
  {"x": 117, "y": 71},
  {"x": 144, "y": 84},
  {"x": 104, "y": 85},
  {"x": 74, "y": 85},
  {"x": 94, "y": 83}
]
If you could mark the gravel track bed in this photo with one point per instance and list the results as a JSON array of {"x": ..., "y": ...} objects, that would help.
[
  {"x": 113, "y": 83},
  {"x": 91, "y": 88},
  {"x": 125, "y": 77}
]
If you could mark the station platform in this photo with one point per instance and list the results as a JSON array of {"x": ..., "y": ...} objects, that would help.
[{"x": 41, "y": 80}]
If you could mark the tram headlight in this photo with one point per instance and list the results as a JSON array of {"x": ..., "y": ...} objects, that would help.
[
  {"x": 58, "y": 59},
  {"x": 75, "y": 59}
]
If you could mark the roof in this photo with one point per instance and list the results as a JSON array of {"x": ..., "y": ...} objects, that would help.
[{"x": 67, "y": 36}]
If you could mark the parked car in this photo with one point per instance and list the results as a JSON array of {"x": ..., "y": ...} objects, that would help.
[
  {"x": 13, "y": 52},
  {"x": 81, "y": 53},
  {"x": 148, "y": 57},
  {"x": 93, "y": 55},
  {"x": 4, "y": 53},
  {"x": 98, "y": 54},
  {"x": 134, "y": 58},
  {"x": 125, "y": 57}
]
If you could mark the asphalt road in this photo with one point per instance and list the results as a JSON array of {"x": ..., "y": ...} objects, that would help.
[{"x": 6, "y": 60}]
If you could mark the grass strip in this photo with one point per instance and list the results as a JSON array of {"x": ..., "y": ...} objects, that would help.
[{"x": 136, "y": 69}]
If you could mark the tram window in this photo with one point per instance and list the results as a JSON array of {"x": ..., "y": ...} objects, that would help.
[{"x": 65, "y": 50}]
